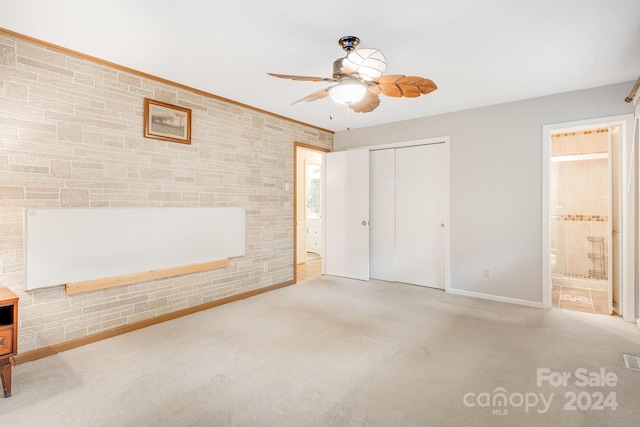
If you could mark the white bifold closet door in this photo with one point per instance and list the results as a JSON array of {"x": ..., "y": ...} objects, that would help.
[
  {"x": 407, "y": 210},
  {"x": 382, "y": 211}
]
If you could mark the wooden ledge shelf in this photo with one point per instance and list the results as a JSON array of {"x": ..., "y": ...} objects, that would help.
[{"x": 127, "y": 279}]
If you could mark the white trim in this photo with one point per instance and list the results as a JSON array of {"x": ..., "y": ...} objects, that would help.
[
  {"x": 403, "y": 144},
  {"x": 495, "y": 298},
  {"x": 610, "y": 211},
  {"x": 447, "y": 218},
  {"x": 546, "y": 218},
  {"x": 628, "y": 202}
]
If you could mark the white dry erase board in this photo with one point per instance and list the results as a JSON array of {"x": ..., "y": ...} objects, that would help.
[{"x": 76, "y": 244}]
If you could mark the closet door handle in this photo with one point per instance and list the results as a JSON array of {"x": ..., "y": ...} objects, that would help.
[{"x": 364, "y": 222}]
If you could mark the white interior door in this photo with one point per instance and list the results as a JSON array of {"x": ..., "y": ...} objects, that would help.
[
  {"x": 420, "y": 215},
  {"x": 347, "y": 214},
  {"x": 408, "y": 198}
]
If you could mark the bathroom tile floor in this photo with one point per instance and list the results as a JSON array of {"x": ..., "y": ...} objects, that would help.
[{"x": 579, "y": 299}]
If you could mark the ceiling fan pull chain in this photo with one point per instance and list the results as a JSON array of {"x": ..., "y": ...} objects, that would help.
[{"x": 348, "y": 118}]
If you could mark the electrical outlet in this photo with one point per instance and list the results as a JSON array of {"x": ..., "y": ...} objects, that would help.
[
  {"x": 265, "y": 267},
  {"x": 486, "y": 273}
]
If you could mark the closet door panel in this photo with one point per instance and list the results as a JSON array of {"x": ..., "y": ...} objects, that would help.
[
  {"x": 382, "y": 228},
  {"x": 420, "y": 213}
]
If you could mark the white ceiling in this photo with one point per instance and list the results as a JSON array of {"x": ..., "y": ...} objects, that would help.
[{"x": 478, "y": 52}]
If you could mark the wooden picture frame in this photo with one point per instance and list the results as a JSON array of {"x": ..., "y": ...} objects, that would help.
[{"x": 167, "y": 122}]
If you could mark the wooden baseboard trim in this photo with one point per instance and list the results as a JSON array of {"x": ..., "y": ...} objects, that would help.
[{"x": 78, "y": 342}]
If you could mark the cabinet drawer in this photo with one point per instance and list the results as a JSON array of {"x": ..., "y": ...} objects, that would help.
[
  {"x": 313, "y": 245},
  {"x": 313, "y": 231},
  {"x": 6, "y": 340}
]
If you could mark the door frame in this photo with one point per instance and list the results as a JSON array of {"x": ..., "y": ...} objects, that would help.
[
  {"x": 322, "y": 151},
  {"x": 627, "y": 208}
]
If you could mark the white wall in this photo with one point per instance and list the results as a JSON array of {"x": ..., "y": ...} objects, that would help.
[{"x": 496, "y": 182}]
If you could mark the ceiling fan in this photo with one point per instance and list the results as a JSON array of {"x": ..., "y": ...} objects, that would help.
[{"x": 360, "y": 80}]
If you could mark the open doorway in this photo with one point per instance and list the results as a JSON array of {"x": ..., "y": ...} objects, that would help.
[
  {"x": 588, "y": 217},
  {"x": 308, "y": 211},
  {"x": 584, "y": 191}
]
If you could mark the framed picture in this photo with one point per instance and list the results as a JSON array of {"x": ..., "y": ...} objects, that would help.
[{"x": 167, "y": 122}]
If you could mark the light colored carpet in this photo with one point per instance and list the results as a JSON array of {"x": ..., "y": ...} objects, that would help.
[{"x": 337, "y": 352}]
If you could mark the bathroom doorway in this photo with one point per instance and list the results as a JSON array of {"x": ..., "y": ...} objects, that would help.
[
  {"x": 584, "y": 194},
  {"x": 586, "y": 200},
  {"x": 308, "y": 165}
]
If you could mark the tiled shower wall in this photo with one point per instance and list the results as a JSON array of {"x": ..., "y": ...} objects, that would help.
[
  {"x": 579, "y": 201},
  {"x": 71, "y": 136}
]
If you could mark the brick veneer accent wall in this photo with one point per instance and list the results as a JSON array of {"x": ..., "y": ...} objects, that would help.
[{"x": 71, "y": 136}]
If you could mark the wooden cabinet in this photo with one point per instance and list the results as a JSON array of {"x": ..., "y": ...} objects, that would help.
[
  {"x": 8, "y": 336},
  {"x": 314, "y": 233}
]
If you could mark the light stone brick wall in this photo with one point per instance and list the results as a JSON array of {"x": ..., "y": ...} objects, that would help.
[{"x": 71, "y": 136}]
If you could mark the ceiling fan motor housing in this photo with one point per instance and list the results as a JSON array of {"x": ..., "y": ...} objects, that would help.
[
  {"x": 337, "y": 68},
  {"x": 349, "y": 43}
]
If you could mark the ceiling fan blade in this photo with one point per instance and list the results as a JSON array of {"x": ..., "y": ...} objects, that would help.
[
  {"x": 369, "y": 103},
  {"x": 408, "y": 86},
  {"x": 303, "y": 78},
  {"x": 322, "y": 93},
  {"x": 368, "y": 63}
]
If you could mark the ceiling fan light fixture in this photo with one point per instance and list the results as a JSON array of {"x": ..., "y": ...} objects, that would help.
[
  {"x": 368, "y": 63},
  {"x": 347, "y": 92}
]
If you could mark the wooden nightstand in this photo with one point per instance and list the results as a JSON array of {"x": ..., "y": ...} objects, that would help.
[{"x": 8, "y": 336}]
